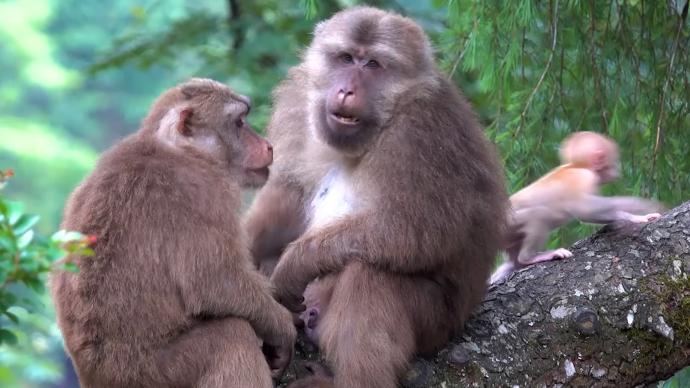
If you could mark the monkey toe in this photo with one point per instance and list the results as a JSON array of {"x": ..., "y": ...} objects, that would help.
[{"x": 562, "y": 253}]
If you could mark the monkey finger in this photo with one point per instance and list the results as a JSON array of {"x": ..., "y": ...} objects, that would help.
[
  {"x": 293, "y": 303},
  {"x": 297, "y": 320},
  {"x": 562, "y": 253}
]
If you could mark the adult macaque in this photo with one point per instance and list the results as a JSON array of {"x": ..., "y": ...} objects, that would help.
[
  {"x": 385, "y": 189},
  {"x": 569, "y": 191},
  {"x": 171, "y": 298}
]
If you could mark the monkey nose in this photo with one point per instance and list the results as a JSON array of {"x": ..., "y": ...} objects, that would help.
[{"x": 344, "y": 94}]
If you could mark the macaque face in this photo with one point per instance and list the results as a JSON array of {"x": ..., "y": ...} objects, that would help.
[
  {"x": 223, "y": 132},
  {"x": 347, "y": 117},
  {"x": 610, "y": 172},
  {"x": 605, "y": 160},
  {"x": 359, "y": 65},
  {"x": 594, "y": 151},
  {"x": 253, "y": 154}
]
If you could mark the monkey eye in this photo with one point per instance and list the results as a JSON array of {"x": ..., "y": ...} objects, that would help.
[
  {"x": 346, "y": 58},
  {"x": 372, "y": 64}
]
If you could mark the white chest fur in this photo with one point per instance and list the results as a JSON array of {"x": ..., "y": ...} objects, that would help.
[{"x": 334, "y": 199}]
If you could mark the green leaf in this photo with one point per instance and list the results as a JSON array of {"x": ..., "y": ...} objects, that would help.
[
  {"x": 680, "y": 379},
  {"x": 7, "y": 298},
  {"x": 87, "y": 252},
  {"x": 7, "y": 244},
  {"x": 12, "y": 317},
  {"x": 35, "y": 284},
  {"x": 24, "y": 223},
  {"x": 54, "y": 253},
  {"x": 29, "y": 304},
  {"x": 70, "y": 267},
  {"x": 7, "y": 337},
  {"x": 14, "y": 211},
  {"x": 24, "y": 240},
  {"x": 62, "y": 236}
]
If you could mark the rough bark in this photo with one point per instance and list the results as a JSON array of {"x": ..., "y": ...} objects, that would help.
[{"x": 616, "y": 314}]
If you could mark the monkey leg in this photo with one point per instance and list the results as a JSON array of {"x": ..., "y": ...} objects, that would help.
[
  {"x": 376, "y": 322},
  {"x": 216, "y": 353}
]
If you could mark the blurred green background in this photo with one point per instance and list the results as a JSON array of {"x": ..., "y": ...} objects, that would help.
[{"x": 76, "y": 76}]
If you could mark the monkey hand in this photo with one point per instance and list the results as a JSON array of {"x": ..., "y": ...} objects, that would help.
[
  {"x": 278, "y": 357},
  {"x": 287, "y": 294},
  {"x": 278, "y": 347},
  {"x": 645, "y": 218},
  {"x": 291, "y": 277}
]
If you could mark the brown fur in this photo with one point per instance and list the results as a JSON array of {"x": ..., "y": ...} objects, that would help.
[
  {"x": 404, "y": 264},
  {"x": 170, "y": 298}
]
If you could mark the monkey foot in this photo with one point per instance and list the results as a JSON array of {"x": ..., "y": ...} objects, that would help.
[
  {"x": 560, "y": 253},
  {"x": 652, "y": 216}
]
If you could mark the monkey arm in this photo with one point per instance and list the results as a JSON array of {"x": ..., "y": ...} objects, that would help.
[
  {"x": 375, "y": 239},
  {"x": 273, "y": 221},
  {"x": 603, "y": 210},
  {"x": 230, "y": 287}
]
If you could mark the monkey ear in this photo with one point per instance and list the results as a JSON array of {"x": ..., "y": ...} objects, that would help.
[{"x": 183, "y": 122}]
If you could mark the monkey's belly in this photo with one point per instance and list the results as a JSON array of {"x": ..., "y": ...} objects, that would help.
[{"x": 333, "y": 200}]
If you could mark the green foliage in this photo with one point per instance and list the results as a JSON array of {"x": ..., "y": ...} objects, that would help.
[
  {"x": 679, "y": 380},
  {"x": 26, "y": 257},
  {"x": 539, "y": 70}
]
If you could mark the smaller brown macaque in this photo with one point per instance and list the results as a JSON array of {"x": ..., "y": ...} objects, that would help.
[
  {"x": 570, "y": 191},
  {"x": 317, "y": 297},
  {"x": 171, "y": 298}
]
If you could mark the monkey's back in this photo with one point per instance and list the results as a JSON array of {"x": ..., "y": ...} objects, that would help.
[
  {"x": 144, "y": 204},
  {"x": 454, "y": 188}
]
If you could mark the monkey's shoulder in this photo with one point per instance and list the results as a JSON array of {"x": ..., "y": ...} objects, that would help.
[{"x": 142, "y": 174}]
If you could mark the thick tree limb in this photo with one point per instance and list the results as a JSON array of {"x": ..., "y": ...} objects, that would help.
[{"x": 615, "y": 314}]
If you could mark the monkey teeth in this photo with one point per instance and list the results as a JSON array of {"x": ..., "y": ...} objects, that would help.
[{"x": 346, "y": 119}]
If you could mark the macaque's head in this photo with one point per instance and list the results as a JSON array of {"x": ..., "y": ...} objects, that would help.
[
  {"x": 207, "y": 118},
  {"x": 359, "y": 63},
  {"x": 593, "y": 151}
]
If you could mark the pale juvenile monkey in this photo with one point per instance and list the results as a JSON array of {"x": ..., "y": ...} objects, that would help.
[
  {"x": 171, "y": 298},
  {"x": 385, "y": 199},
  {"x": 571, "y": 191}
]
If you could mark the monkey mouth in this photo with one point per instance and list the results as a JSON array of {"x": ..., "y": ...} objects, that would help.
[
  {"x": 254, "y": 177},
  {"x": 262, "y": 171},
  {"x": 345, "y": 119}
]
